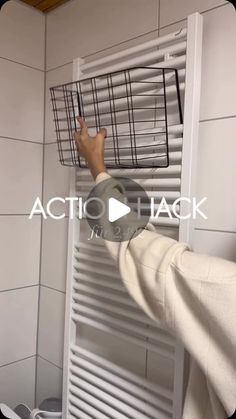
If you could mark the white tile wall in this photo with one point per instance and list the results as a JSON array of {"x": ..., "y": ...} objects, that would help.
[
  {"x": 51, "y": 325},
  {"x": 219, "y": 63},
  {"x": 123, "y": 353},
  {"x": 19, "y": 251},
  {"x": 68, "y": 28},
  {"x": 22, "y": 34},
  {"x": 49, "y": 380},
  {"x": 160, "y": 370},
  {"x": 173, "y": 27},
  {"x": 18, "y": 324},
  {"x": 56, "y": 178},
  {"x": 216, "y": 243},
  {"x": 53, "y": 78},
  {"x": 22, "y": 53},
  {"x": 174, "y": 10},
  {"x": 217, "y": 174},
  {"x": 21, "y": 101},
  {"x": 54, "y": 253},
  {"x": 20, "y": 175},
  {"x": 81, "y": 28},
  {"x": 17, "y": 383},
  {"x": 123, "y": 45}
]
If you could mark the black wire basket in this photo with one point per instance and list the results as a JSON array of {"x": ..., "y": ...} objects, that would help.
[{"x": 133, "y": 104}]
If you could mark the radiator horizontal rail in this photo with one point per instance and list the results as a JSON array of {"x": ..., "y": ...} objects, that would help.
[
  {"x": 89, "y": 279},
  {"x": 78, "y": 413},
  {"x": 151, "y": 84},
  {"x": 98, "y": 270},
  {"x": 165, "y": 221},
  {"x": 168, "y": 195},
  {"x": 124, "y": 401},
  {"x": 148, "y": 183},
  {"x": 133, "y": 50},
  {"x": 95, "y": 259},
  {"x": 80, "y": 319},
  {"x": 135, "y": 315},
  {"x": 171, "y": 170},
  {"x": 121, "y": 383},
  {"x": 128, "y": 375},
  {"x": 97, "y": 398},
  {"x": 105, "y": 295},
  {"x": 137, "y": 100},
  {"x": 142, "y": 60},
  {"x": 84, "y": 400},
  {"x": 125, "y": 324}
]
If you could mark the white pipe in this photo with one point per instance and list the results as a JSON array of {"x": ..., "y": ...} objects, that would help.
[
  {"x": 123, "y": 400},
  {"x": 158, "y": 195},
  {"x": 101, "y": 282},
  {"x": 117, "y": 310},
  {"x": 105, "y": 294},
  {"x": 145, "y": 183},
  {"x": 138, "y": 48},
  {"x": 99, "y": 400},
  {"x": 104, "y": 317},
  {"x": 137, "y": 100},
  {"x": 92, "y": 246},
  {"x": 146, "y": 79},
  {"x": 165, "y": 221},
  {"x": 95, "y": 259},
  {"x": 98, "y": 270},
  {"x": 142, "y": 60},
  {"x": 82, "y": 401},
  {"x": 170, "y": 170},
  {"x": 78, "y": 318},
  {"x": 78, "y": 413},
  {"x": 123, "y": 372},
  {"x": 122, "y": 383}
]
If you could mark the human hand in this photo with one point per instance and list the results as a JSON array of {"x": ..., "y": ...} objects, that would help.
[{"x": 91, "y": 148}]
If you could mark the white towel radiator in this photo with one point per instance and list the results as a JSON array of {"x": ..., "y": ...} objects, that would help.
[{"x": 95, "y": 385}]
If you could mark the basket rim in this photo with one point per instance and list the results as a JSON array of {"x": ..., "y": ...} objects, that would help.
[{"x": 114, "y": 72}]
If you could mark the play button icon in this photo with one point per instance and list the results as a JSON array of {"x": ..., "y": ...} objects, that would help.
[{"x": 117, "y": 209}]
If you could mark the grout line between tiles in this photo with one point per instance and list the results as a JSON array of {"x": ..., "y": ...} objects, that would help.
[
  {"x": 18, "y": 215},
  {"x": 211, "y": 230},
  {"x": 42, "y": 199},
  {"x": 105, "y": 49},
  {"x": 24, "y": 65},
  {"x": 17, "y": 361},
  {"x": 19, "y": 288},
  {"x": 218, "y": 118},
  {"x": 50, "y": 362},
  {"x": 20, "y": 139},
  {"x": 201, "y": 12},
  {"x": 52, "y": 289},
  {"x": 59, "y": 66},
  {"x": 214, "y": 8}
]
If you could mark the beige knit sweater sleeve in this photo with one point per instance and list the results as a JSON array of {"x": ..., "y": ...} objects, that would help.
[{"x": 194, "y": 297}]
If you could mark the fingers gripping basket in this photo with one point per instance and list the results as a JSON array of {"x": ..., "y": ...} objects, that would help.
[{"x": 133, "y": 104}]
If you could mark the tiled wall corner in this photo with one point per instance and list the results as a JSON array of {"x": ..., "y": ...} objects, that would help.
[
  {"x": 68, "y": 27},
  {"x": 17, "y": 383},
  {"x": 51, "y": 325},
  {"x": 49, "y": 380},
  {"x": 22, "y": 47}
]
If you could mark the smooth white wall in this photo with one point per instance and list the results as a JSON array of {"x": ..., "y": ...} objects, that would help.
[
  {"x": 22, "y": 50},
  {"x": 98, "y": 27}
]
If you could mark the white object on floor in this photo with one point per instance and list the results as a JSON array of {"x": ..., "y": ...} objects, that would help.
[
  {"x": 42, "y": 414},
  {"x": 6, "y": 411}
]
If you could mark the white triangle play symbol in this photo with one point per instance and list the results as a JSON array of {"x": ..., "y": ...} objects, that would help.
[{"x": 117, "y": 209}]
